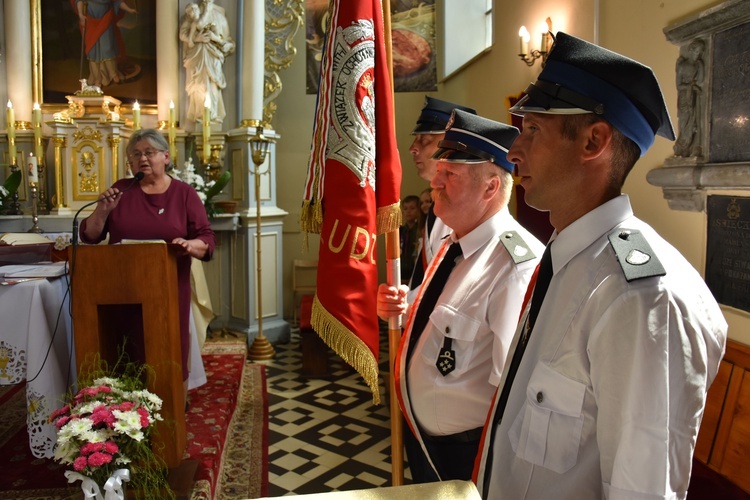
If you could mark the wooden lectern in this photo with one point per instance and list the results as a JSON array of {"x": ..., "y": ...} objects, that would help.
[{"x": 141, "y": 276}]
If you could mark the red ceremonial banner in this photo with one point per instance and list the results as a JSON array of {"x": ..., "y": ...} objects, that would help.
[{"x": 354, "y": 177}]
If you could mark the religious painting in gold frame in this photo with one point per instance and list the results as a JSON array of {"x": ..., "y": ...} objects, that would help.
[{"x": 60, "y": 58}]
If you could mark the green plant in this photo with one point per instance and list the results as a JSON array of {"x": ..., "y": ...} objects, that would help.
[{"x": 10, "y": 186}]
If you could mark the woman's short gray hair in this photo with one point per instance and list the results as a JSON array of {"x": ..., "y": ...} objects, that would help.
[{"x": 153, "y": 136}]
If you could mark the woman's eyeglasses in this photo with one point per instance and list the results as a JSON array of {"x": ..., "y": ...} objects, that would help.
[{"x": 136, "y": 156}]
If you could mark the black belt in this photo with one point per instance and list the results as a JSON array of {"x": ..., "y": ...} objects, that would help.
[{"x": 469, "y": 436}]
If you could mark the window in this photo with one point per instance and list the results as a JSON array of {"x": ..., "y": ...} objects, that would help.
[{"x": 466, "y": 32}]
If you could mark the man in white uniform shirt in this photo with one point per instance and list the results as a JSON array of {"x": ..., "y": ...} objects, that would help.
[
  {"x": 604, "y": 389},
  {"x": 457, "y": 336},
  {"x": 429, "y": 131}
]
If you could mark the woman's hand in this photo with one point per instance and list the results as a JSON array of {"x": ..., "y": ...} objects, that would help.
[
  {"x": 195, "y": 248},
  {"x": 391, "y": 301},
  {"x": 109, "y": 199}
]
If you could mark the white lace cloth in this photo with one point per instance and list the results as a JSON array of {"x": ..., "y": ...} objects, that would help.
[{"x": 36, "y": 346}]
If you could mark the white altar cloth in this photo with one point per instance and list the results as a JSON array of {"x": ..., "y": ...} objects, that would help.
[{"x": 36, "y": 345}]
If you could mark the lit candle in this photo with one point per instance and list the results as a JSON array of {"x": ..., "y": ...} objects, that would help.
[
  {"x": 543, "y": 28},
  {"x": 36, "y": 122},
  {"x": 10, "y": 117},
  {"x": 523, "y": 35},
  {"x": 136, "y": 116},
  {"x": 33, "y": 173},
  {"x": 206, "y": 129},
  {"x": 172, "y": 133}
]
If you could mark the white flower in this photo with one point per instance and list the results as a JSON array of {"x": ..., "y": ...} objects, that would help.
[{"x": 4, "y": 192}]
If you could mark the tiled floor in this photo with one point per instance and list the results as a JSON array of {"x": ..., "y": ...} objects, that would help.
[{"x": 325, "y": 434}]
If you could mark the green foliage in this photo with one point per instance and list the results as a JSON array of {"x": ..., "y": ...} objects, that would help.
[
  {"x": 12, "y": 182},
  {"x": 10, "y": 186},
  {"x": 220, "y": 184}
]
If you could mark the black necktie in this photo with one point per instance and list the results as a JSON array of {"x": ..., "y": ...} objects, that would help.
[
  {"x": 419, "y": 267},
  {"x": 540, "y": 290},
  {"x": 430, "y": 296},
  {"x": 417, "y": 275},
  {"x": 544, "y": 276},
  {"x": 431, "y": 218}
]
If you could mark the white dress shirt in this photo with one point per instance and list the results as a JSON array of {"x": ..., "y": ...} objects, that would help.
[
  {"x": 478, "y": 309},
  {"x": 610, "y": 392}
]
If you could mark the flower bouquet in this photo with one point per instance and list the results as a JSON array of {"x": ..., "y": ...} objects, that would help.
[
  {"x": 103, "y": 432},
  {"x": 205, "y": 190}
]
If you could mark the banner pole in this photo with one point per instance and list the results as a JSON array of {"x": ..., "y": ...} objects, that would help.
[{"x": 392, "y": 251}]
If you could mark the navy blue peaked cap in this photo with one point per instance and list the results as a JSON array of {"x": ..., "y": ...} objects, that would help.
[
  {"x": 435, "y": 115},
  {"x": 473, "y": 139},
  {"x": 580, "y": 77}
]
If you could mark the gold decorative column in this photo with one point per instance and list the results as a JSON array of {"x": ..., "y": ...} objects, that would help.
[
  {"x": 114, "y": 146},
  {"x": 60, "y": 144}
]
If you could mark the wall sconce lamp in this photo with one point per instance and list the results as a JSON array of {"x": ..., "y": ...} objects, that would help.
[{"x": 529, "y": 56}]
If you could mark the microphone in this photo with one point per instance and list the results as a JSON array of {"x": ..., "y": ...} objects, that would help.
[{"x": 136, "y": 178}]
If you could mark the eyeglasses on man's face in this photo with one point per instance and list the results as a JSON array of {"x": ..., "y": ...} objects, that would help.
[{"x": 136, "y": 155}]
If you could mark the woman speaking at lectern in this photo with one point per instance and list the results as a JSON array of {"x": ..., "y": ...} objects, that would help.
[{"x": 159, "y": 207}]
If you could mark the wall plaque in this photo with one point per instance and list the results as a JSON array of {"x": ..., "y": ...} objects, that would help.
[
  {"x": 730, "y": 99},
  {"x": 728, "y": 250},
  {"x": 712, "y": 76}
]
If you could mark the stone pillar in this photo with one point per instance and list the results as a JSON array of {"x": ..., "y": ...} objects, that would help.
[
  {"x": 167, "y": 46},
  {"x": 253, "y": 59},
  {"x": 18, "y": 60}
]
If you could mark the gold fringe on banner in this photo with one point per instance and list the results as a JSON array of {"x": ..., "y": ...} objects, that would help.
[
  {"x": 347, "y": 345},
  {"x": 311, "y": 217},
  {"x": 388, "y": 219}
]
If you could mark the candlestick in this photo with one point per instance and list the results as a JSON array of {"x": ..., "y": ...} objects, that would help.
[
  {"x": 36, "y": 122},
  {"x": 34, "y": 211},
  {"x": 33, "y": 172},
  {"x": 136, "y": 116},
  {"x": 523, "y": 35},
  {"x": 10, "y": 117},
  {"x": 207, "y": 130}
]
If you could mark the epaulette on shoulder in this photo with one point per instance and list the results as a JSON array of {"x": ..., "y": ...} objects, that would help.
[
  {"x": 635, "y": 255},
  {"x": 517, "y": 248}
]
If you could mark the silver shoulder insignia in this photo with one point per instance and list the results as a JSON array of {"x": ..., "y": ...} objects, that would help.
[
  {"x": 517, "y": 248},
  {"x": 635, "y": 255}
]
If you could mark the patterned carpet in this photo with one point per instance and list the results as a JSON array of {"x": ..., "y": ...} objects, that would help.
[
  {"x": 226, "y": 419},
  {"x": 325, "y": 434}
]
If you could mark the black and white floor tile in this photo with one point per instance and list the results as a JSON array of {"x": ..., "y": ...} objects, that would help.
[{"x": 325, "y": 434}]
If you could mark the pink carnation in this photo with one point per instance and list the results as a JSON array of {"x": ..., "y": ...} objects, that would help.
[
  {"x": 61, "y": 421},
  {"x": 102, "y": 414},
  {"x": 104, "y": 388},
  {"x": 89, "y": 448},
  {"x": 111, "y": 447},
  {"x": 80, "y": 463},
  {"x": 126, "y": 406},
  {"x": 144, "y": 416},
  {"x": 98, "y": 459},
  {"x": 60, "y": 411}
]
